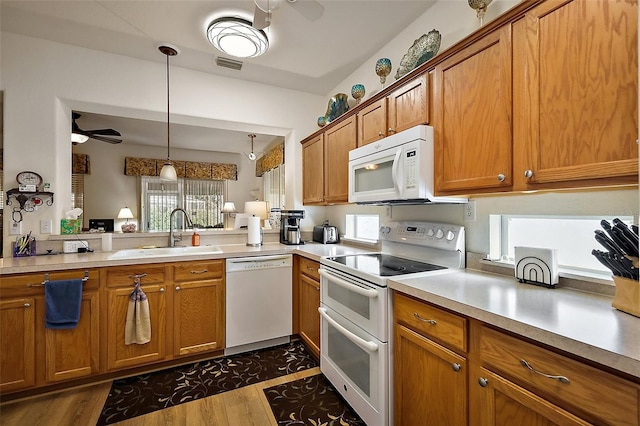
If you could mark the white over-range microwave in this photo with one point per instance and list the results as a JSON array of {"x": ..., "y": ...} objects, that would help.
[{"x": 395, "y": 170}]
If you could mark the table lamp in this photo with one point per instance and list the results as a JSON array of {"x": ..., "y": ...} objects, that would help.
[
  {"x": 228, "y": 208},
  {"x": 125, "y": 213},
  {"x": 259, "y": 209}
]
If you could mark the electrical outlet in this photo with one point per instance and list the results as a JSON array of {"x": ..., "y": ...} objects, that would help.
[
  {"x": 389, "y": 212},
  {"x": 470, "y": 211},
  {"x": 45, "y": 226},
  {"x": 15, "y": 228}
]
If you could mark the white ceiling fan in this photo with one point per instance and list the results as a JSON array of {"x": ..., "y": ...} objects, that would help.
[{"x": 310, "y": 9}]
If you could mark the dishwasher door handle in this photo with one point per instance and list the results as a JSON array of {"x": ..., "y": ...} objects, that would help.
[
  {"x": 364, "y": 344},
  {"x": 260, "y": 259}
]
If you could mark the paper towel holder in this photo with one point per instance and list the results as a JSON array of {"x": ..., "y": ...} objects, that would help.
[{"x": 259, "y": 209}]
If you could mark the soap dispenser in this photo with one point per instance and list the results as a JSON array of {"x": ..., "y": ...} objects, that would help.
[{"x": 195, "y": 238}]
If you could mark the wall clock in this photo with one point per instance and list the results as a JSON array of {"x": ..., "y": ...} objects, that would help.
[{"x": 29, "y": 178}]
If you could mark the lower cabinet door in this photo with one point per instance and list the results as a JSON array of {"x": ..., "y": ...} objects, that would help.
[
  {"x": 309, "y": 315},
  {"x": 430, "y": 382},
  {"x": 120, "y": 355},
  {"x": 497, "y": 401},
  {"x": 17, "y": 331},
  {"x": 198, "y": 323},
  {"x": 75, "y": 352}
]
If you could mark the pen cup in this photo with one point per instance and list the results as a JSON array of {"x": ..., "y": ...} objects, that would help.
[{"x": 24, "y": 251}]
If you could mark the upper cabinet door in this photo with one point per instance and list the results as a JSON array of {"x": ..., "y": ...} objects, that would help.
[
  {"x": 576, "y": 113},
  {"x": 472, "y": 117},
  {"x": 372, "y": 122},
  {"x": 338, "y": 141},
  {"x": 408, "y": 105},
  {"x": 313, "y": 171}
]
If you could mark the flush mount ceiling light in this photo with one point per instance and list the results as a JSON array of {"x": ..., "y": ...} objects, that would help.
[{"x": 237, "y": 37}]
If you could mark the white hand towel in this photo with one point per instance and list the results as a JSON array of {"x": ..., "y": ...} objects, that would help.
[{"x": 138, "y": 324}]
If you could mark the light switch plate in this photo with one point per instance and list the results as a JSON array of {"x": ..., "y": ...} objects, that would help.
[
  {"x": 15, "y": 228},
  {"x": 45, "y": 226}
]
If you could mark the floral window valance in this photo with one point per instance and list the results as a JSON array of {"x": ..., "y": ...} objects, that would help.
[
  {"x": 134, "y": 166},
  {"x": 270, "y": 160}
]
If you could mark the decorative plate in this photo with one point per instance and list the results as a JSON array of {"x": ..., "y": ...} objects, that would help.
[
  {"x": 337, "y": 106},
  {"x": 420, "y": 52}
]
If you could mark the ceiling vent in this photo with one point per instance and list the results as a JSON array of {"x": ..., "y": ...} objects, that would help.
[{"x": 228, "y": 63}]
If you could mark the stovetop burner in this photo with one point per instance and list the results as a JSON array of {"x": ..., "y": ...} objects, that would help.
[{"x": 384, "y": 265}]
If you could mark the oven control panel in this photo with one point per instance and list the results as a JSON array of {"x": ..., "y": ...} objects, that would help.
[{"x": 444, "y": 236}]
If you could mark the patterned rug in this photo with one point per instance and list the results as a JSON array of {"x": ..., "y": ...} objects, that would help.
[
  {"x": 138, "y": 395},
  {"x": 310, "y": 401}
]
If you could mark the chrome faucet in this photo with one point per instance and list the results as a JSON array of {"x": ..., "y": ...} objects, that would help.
[{"x": 172, "y": 238}]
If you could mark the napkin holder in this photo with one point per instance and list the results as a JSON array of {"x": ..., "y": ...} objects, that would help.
[{"x": 537, "y": 266}]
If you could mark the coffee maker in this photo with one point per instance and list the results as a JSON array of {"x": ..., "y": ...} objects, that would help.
[{"x": 290, "y": 226}]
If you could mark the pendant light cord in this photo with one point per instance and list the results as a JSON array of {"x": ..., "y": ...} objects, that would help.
[{"x": 168, "y": 103}]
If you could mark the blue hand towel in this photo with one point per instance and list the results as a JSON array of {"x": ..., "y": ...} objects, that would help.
[{"x": 62, "y": 303}]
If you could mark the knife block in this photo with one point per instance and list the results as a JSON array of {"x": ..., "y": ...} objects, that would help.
[{"x": 627, "y": 297}]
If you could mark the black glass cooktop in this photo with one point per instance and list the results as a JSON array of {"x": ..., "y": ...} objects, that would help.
[{"x": 384, "y": 265}]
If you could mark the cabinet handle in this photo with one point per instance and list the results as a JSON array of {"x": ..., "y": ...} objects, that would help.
[
  {"x": 202, "y": 271},
  {"x": 528, "y": 173},
  {"x": 562, "y": 379},
  {"x": 391, "y": 130},
  {"x": 419, "y": 318},
  {"x": 310, "y": 269},
  {"x": 161, "y": 289},
  {"x": 501, "y": 177},
  {"x": 27, "y": 305},
  {"x": 178, "y": 288},
  {"x": 456, "y": 367},
  {"x": 483, "y": 382}
]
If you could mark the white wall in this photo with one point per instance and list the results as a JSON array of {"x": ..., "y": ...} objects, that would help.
[{"x": 43, "y": 81}]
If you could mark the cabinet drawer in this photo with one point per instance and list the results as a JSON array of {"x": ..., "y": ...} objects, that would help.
[
  {"x": 123, "y": 275},
  {"x": 432, "y": 322},
  {"x": 598, "y": 396},
  {"x": 193, "y": 271},
  {"x": 12, "y": 285},
  {"x": 309, "y": 268}
]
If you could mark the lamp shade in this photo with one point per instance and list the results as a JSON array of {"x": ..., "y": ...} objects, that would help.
[
  {"x": 125, "y": 213},
  {"x": 257, "y": 208},
  {"x": 168, "y": 172},
  {"x": 79, "y": 138},
  {"x": 237, "y": 37},
  {"x": 229, "y": 207}
]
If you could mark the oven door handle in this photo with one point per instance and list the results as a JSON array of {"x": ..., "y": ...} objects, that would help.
[
  {"x": 364, "y": 344},
  {"x": 370, "y": 293}
]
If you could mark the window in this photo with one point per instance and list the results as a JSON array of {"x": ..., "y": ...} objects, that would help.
[
  {"x": 202, "y": 199},
  {"x": 362, "y": 227},
  {"x": 273, "y": 187},
  {"x": 572, "y": 236},
  {"x": 77, "y": 190}
]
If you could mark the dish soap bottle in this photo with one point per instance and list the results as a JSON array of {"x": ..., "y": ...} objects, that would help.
[{"x": 195, "y": 238}]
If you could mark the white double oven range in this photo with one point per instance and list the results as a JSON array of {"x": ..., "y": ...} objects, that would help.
[{"x": 356, "y": 309}]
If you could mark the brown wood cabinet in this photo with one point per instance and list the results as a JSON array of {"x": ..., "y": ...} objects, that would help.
[
  {"x": 308, "y": 303},
  {"x": 449, "y": 369},
  {"x": 33, "y": 355},
  {"x": 198, "y": 307},
  {"x": 430, "y": 380},
  {"x": 405, "y": 107},
  {"x": 120, "y": 284},
  {"x": 338, "y": 141},
  {"x": 313, "y": 171},
  {"x": 472, "y": 117},
  {"x": 576, "y": 105}
]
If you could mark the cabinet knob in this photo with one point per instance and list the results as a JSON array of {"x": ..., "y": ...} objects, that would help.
[
  {"x": 27, "y": 305},
  {"x": 391, "y": 130},
  {"x": 483, "y": 382},
  {"x": 501, "y": 177},
  {"x": 380, "y": 134},
  {"x": 177, "y": 288},
  {"x": 528, "y": 173},
  {"x": 161, "y": 289},
  {"x": 456, "y": 367}
]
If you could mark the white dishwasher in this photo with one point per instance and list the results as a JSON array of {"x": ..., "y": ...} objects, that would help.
[{"x": 258, "y": 302}]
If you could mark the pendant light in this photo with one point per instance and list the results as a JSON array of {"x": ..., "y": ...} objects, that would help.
[{"x": 168, "y": 172}]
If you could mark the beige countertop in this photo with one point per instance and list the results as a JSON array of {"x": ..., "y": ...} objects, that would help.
[
  {"x": 57, "y": 262},
  {"x": 581, "y": 323}
]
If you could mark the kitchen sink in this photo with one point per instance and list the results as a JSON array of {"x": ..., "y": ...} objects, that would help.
[{"x": 163, "y": 252}]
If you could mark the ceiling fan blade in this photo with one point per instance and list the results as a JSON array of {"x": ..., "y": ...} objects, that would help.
[
  {"x": 103, "y": 132},
  {"x": 261, "y": 19},
  {"x": 105, "y": 139},
  {"x": 310, "y": 9}
]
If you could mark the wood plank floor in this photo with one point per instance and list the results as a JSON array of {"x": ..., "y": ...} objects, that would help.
[{"x": 246, "y": 406}]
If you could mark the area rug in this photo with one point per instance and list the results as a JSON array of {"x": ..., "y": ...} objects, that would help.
[
  {"x": 138, "y": 395},
  {"x": 310, "y": 401}
]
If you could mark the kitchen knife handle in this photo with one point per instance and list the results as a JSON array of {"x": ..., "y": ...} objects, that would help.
[{"x": 607, "y": 242}]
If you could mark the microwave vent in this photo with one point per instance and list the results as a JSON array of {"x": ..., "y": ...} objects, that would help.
[{"x": 228, "y": 63}]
